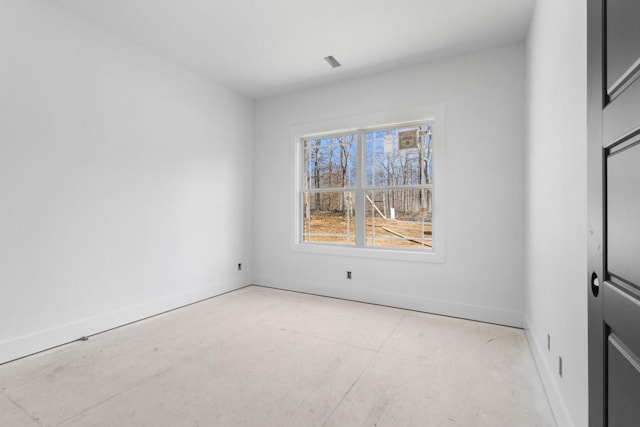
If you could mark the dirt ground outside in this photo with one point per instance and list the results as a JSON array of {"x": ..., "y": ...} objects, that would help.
[{"x": 387, "y": 232}]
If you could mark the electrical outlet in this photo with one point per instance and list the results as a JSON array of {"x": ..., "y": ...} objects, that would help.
[
  {"x": 560, "y": 366},
  {"x": 348, "y": 275},
  {"x": 549, "y": 342},
  {"x": 239, "y": 266}
]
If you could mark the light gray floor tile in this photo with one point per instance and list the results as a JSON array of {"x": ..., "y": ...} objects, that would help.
[
  {"x": 11, "y": 415},
  {"x": 439, "y": 371},
  {"x": 362, "y": 325},
  {"x": 264, "y": 377},
  {"x": 62, "y": 382}
]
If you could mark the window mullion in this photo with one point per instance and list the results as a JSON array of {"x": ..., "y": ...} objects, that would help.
[
  {"x": 360, "y": 199},
  {"x": 303, "y": 194}
]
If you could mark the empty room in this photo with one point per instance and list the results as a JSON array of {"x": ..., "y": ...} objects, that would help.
[{"x": 305, "y": 213}]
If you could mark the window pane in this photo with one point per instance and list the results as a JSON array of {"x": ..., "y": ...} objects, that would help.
[
  {"x": 330, "y": 162},
  {"x": 391, "y": 175},
  {"x": 401, "y": 156},
  {"x": 399, "y": 218},
  {"x": 329, "y": 217}
]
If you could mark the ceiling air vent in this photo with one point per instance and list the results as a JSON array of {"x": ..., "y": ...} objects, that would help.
[{"x": 332, "y": 61}]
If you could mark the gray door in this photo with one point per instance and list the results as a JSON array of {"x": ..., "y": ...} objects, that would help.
[{"x": 614, "y": 212}]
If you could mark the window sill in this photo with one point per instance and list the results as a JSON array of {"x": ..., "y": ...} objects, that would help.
[{"x": 372, "y": 253}]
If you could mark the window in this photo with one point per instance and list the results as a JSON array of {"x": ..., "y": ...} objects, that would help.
[{"x": 369, "y": 188}]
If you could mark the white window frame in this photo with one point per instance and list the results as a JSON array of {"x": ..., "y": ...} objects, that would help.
[{"x": 406, "y": 116}]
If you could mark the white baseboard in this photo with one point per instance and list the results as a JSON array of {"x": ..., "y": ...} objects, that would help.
[
  {"x": 481, "y": 313},
  {"x": 558, "y": 405},
  {"x": 62, "y": 334}
]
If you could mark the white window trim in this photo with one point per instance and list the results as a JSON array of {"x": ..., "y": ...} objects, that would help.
[{"x": 433, "y": 112}]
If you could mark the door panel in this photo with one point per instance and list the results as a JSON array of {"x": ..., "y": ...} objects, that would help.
[
  {"x": 623, "y": 32},
  {"x": 623, "y": 213},
  {"x": 614, "y": 212},
  {"x": 622, "y": 310},
  {"x": 624, "y": 383},
  {"x": 620, "y": 119}
]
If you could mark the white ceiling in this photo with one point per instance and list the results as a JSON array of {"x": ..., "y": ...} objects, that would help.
[{"x": 267, "y": 47}]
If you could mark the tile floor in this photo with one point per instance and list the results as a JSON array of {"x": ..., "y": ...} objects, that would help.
[{"x": 265, "y": 357}]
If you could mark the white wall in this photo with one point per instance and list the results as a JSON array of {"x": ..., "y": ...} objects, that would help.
[
  {"x": 483, "y": 273},
  {"x": 125, "y": 183},
  {"x": 556, "y": 270}
]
